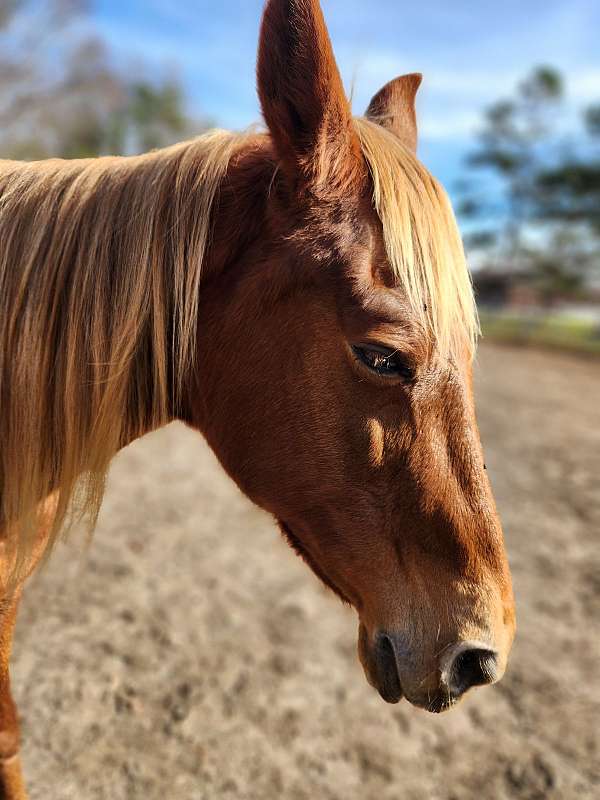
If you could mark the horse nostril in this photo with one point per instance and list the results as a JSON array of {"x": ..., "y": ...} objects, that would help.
[{"x": 472, "y": 667}]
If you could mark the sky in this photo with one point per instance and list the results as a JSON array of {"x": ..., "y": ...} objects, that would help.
[{"x": 471, "y": 52}]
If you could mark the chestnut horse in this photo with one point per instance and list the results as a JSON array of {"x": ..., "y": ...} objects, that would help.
[{"x": 300, "y": 297}]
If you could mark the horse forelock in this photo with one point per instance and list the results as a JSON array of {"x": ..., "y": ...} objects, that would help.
[{"x": 421, "y": 240}]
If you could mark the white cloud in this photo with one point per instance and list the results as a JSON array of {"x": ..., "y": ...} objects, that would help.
[{"x": 584, "y": 86}]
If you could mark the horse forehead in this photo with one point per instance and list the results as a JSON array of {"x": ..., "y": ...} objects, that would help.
[
  {"x": 346, "y": 244},
  {"x": 344, "y": 229}
]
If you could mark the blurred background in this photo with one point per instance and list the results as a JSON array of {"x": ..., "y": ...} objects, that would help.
[{"x": 191, "y": 655}]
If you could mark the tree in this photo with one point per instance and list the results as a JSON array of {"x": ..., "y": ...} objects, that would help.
[
  {"x": 548, "y": 202},
  {"x": 510, "y": 146},
  {"x": 61, "y": 95},
  {"x": 571, "y": 190}
]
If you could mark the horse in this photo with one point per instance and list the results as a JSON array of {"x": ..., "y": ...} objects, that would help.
[{"x": 300, "y": 296}]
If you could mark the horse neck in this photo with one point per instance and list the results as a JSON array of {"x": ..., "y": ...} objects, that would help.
[
  {"x": 208, "y": 209},
  {"x": 239, "y": 245},
  {"x": 102, "y": 266}
]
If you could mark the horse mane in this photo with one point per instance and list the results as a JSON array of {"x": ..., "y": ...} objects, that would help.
[
  {"x": 422, "y": 241},
  {"x": 100, "y": 266},
  {"x": 100, "y": 269}
]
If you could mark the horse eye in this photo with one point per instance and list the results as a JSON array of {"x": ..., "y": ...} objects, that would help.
[{"x": 384, "y": 361}]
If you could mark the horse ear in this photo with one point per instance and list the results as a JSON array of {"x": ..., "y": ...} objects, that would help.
[
  {"x": 302, "y": 96},
  {"x": 394, "y": 108}
]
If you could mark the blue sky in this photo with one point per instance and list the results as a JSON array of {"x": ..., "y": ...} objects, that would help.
[{"x": 470, "y": 51}]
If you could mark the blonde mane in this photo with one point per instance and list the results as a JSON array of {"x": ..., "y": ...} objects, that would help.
[
  {"x": 80, "y": 373},
  {"x": 422, "y": 241}
]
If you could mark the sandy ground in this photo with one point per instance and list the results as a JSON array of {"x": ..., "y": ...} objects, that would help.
[{"x": 190, "y": 655}]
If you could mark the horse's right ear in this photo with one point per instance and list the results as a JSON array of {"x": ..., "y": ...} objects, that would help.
[{"x": 303, "y": 99}]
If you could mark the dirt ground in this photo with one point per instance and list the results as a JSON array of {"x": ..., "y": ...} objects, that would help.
[{"x": 189, "y": 655}]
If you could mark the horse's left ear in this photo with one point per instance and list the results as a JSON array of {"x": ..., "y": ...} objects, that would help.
[
  {"x": 394, "y": 108},
  {"x": 303, "y": 99}
]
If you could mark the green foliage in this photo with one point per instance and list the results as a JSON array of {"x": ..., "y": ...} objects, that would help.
[
  {"x": 545, "y": 330},
  {"x": 571, "y": 189},
  {"x": 571, "y": 192},
  {"x": 545, "y": 83}
]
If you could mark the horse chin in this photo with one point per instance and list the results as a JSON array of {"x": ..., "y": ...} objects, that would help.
[
  {"x": 390, "y": 690},
  {"x": 436, "y": 704}
]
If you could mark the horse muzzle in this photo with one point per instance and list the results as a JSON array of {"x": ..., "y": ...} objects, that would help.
[{"x": 396, "y": 671}]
